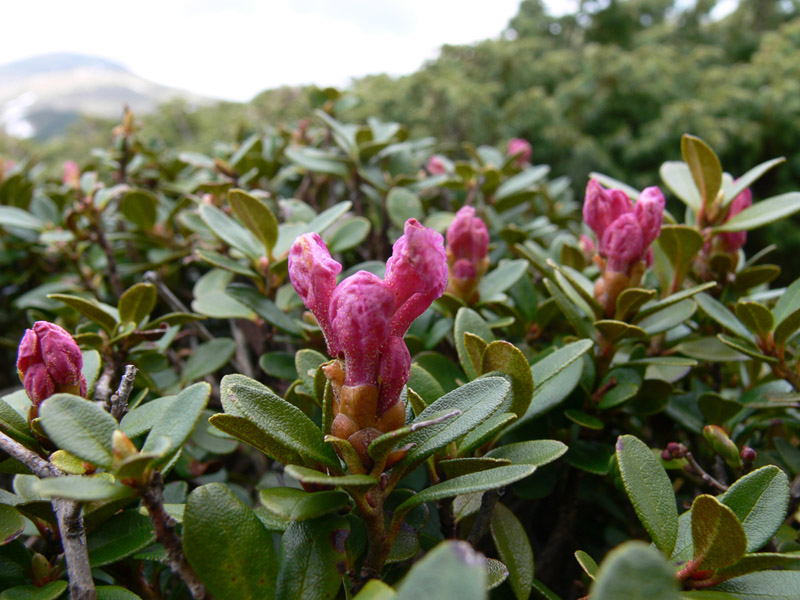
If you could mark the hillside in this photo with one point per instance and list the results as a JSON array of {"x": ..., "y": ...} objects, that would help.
[{"x": 41, "y": 96}]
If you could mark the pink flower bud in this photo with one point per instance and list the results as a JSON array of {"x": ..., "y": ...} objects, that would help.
[
  {"x": 623, "y": 243},
  {"x": 649, "y": 211},
  {"x": 72, "y": 174},
  {"x": 416, "y": 274},
  {"x": 733, "y": 240},
  {"x": 587, "y": 246},
  {"x": 602, "y": 207},
  {"x": 435, "y": 165},
  {"x": 360, "y": 314},
  {"x": 467, "y": 236},
  {"x": 394, "y": 370},
  {"x": 521, "y": 147},
  {"x": 49, "y": 361},
  {"x": 313, "y": 275}
]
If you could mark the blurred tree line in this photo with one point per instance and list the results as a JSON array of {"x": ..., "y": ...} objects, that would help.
[{"x": 609, "y": 88}]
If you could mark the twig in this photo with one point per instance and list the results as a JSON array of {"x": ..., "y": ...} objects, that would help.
[
  {"x": 242, "y": 355},
  {"x": 484, "y": 516},
  {"x": 102, "y": 389},
  {"x": 113, "y": 272},
  {"x": 70, "y": 522},
  {"x": 153, "y": 500},
  {"x": 119, "y": 401},
  {"x": 700, "y": 472}
]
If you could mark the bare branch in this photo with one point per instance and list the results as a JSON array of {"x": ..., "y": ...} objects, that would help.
[{"x": 119, "y": 401}]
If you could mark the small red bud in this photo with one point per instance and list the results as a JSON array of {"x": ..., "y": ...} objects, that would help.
[
  {"x": 666, "y": 455},
  {"x": 749, "y": 455}
]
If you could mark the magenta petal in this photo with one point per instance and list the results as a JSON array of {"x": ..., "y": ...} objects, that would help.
[
  {"x": 416, "y": 273},
  {"x": 649, "y": 211},
  {"x": 60, "y": 354},
  {"x": 623, "y": 243},
  {"x": 602, "y": 207},
  {"x": 38, "y": 384},
  {"x": 394, "y": 370},
  {"x": 313, "y": 273},
  {"x": 467, "y": 236},
  {"x": 29, "y": 352},
  {"x": 361, "y": 309}
]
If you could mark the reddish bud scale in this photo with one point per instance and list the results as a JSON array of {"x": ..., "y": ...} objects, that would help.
[{"x": 467, "y": 254}]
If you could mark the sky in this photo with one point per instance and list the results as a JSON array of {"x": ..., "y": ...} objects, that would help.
[{"x": 237, "y": 48}]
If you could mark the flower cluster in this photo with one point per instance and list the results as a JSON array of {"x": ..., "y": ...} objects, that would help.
[
  {"x": 522, "y": 148},
  {"x": 624, "y": 233},
  {"x": 363, "y": 319},
  {"x": 467, "y": 254},
  {"x": 48, "y": 362},
  {"x": 732, "y": 241}
]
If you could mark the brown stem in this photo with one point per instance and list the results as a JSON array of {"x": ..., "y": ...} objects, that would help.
[
  {"x": 113, "y": 272},
  {"x": 484, "y": 516},
  {"x": 447, "y": 520},
  {"x": 700, "y": 472},
  {"x": 119, "y": 401},
  {"x": 70, "y": 522},
  {"x": 102, "y": 389},
  {"x": 153, "y": 500},
  {"x": 379, "y": 541}
]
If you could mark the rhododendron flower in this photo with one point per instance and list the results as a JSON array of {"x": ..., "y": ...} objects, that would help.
[
  {"x": 72, "y": 174},
  {"x": 624, "y": 233},
  {"x": 732, "y": 241},
  {"x": 364, "y": 319},
  {"x": 467, "y": 254},
  {"x": 436, "y": 165},
  {"x": 48, "y": 362},
  {"x": 521, "y": 147}
]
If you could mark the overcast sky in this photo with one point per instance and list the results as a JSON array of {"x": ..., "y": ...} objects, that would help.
[{"x": 237, "y": 48}]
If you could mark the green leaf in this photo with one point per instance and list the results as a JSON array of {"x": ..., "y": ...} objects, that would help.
[
  {"x": 678, "y": 177},
  {"x": 312, "y": 559},
  {"x": 293, "y": 504},
  {"x": 179, "y": 419},
  {"x": 317, "y": 161},
  {"x": 350, "y": 234},
  {"x": 508, "y": 359},
  {"x": 231, "y": 232},
  {"x": 476, "y": 400},
  {"x": 140, "y": 208},
  {"x": 455, "y": 467},
  {"x": 718, "y": 537},
  {"x": 224, "y": 262},
  {"x": 279, "y": 365},
  {"x": 11, "y": 524},
  {"x": 704, "y": 165},
  {"x": 788, "y": 302},
  {"x": 425, "y": 384},
  {"x": 578, "y": 321},
  {"x": 767, "y": 585},
  {"x": 521, "y": 183},
  {"x": 80, "y": 427},
  {"x": 555, "y": 376},
  {"x": 750, "y": 563},
  {"x": 613, "y": 331},
  {"x": 653, "y": 307},
  {"x": 531, "y": 452},
  {"x": 306, "y": 362},
  {"x": 514, "y": 550},
  {"x": 745, "y": 348},
  {"x": 263, "y": 307},
  {"x": 11, "y": 216},
  {"x": 243, "y": 429},
  {"x": 631, "y": 300},
  {"x": 381, "y": 446},
  {"x": 142, "y": 418},
  {"x": 83, "y": 488},
  {"x": 502, "y": 277},
  {"x": 256, "y": 216},
  {"x": 114, "y": 592},
  {"x": 720, "y": 313},
  {"x": 227, "y": 546},
  {"x": 468, "y": 321},
  {"x": 451, "y": 570},
  {"x": 403, "y": 204},
  {"x": 102, "y": 314},
  {"x": 635, "y": 571},
  {"x": 208, "y": 358},
  {"x": 587, "y": 563},
  {"x": 313, "y": 476},
  {"x": 668, "y": 317},
  {"x": 787, "y": 328},
  {"x": 121, "y": 536},
  {"x": 136, "y": 304},
  {"x": 472, "y": 482},
  {"x": 49, "y": 591},
  {"x": 376, "y": 590},
  {"x": 497, "y": 573},
  {"x": 485, "y": 431},
  {"x": 610, "y": 182},
  {"x": 649, "y": 490},
  {"x": 716, "y": 409},
  {"x": 750, "y": 277},
  {"x": 756, "y": 317},
  {"x": 746, "y": 180},
  {"x": 283, "y": 424},
  {"x": 681, "y": 244},
  {"x": 759, "y": 501},
  {"x": 762, "y": 213}
]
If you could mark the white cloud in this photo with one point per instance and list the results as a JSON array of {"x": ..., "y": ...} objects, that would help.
[{"x": 236, "y": 49}]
